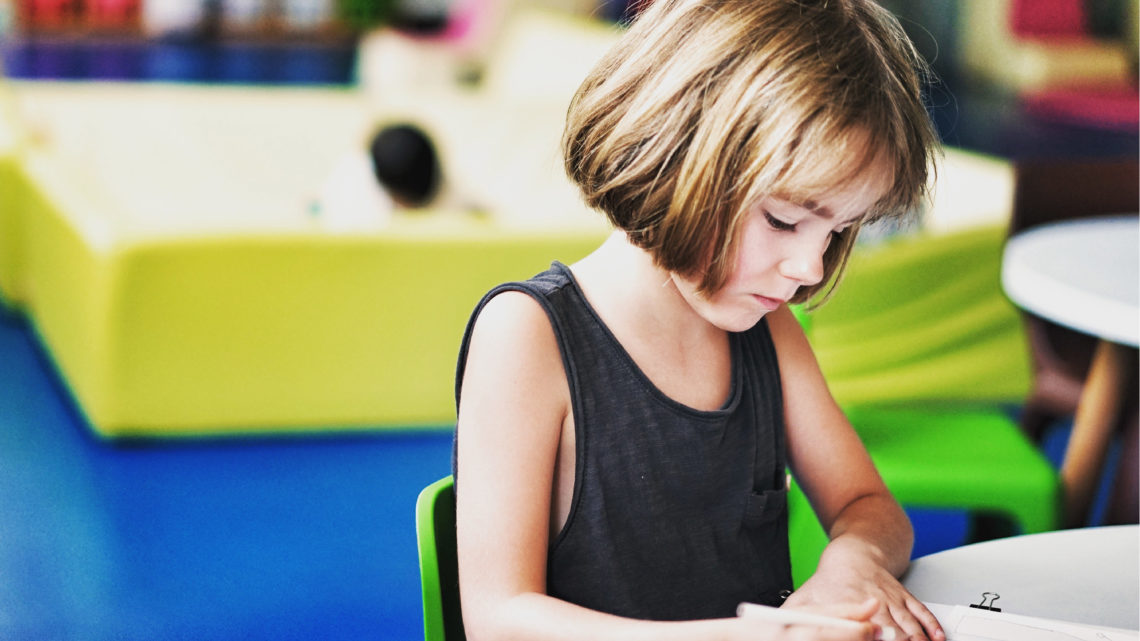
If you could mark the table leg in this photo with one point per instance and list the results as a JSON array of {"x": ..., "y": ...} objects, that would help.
[
  {"x": 1093, "y": 425},
  {"x": 1124, "y": 504}
]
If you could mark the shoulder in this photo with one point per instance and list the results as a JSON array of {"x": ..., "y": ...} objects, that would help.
[
  {"x": 513, "y": 352},
  {"x": 804, "y": 385},
  {"x": 512, "y": 391},
  {"x": 512, "y": 317},
  {"x": 518, "y": 313}
]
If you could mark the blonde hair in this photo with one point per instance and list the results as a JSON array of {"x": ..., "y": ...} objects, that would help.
[{"x": 706, "y": 106}]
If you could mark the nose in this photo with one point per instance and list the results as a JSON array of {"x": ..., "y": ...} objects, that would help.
[{"x": 803, "y": 264}]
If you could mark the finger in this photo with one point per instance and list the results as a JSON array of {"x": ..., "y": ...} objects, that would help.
[
  {"x": 886, "y": 629},
  {"x": 908, "y": 625},
  {"x": 927, "y": 619}
]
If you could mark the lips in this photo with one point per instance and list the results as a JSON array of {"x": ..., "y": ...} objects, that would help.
[{"x": 768, "y": 303}]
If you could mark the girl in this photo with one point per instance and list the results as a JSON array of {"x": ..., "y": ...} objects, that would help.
[{"x": 625, "y": 423}]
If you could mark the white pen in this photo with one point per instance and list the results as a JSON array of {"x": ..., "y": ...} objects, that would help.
[{"x": 779, "y": 615}]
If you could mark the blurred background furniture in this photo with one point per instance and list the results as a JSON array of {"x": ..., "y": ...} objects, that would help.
[
  {"x": 1054, "y": 189},
  {"x": 921, "y": 317},
  {"x": 1082, "y": 273},
  {"x": 1040, "y": 44},
  {"x": 171, "y": 247},
  {"x": 1048, "y": 191},
  {"x": 926, "y": 356}
]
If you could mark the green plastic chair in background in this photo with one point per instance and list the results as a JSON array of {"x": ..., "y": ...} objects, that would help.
[
  {"x": 439, "y": 572},
  {"x": 923, "y": 317},
  {"x": 924, "y": 353}
]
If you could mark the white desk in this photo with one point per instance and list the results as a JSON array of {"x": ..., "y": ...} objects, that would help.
[
  {"x": 1084, "y": 274},
  {"x": 1089, "y": 575}
]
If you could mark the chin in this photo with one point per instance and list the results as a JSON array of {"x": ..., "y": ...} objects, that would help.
[{"x": 740, "y": 323}]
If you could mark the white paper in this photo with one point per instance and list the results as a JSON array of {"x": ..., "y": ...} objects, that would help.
[{"x": 963, "y": 623}]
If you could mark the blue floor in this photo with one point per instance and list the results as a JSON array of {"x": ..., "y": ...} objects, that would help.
[{"x": 255, "y": 539}]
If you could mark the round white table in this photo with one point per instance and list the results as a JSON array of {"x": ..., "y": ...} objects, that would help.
[
  {"x": 1084, "y": 274},
  {"x": 1089, "y": 575}
]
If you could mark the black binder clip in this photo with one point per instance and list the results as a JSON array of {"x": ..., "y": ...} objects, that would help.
[{"x": 987, "y": 602}]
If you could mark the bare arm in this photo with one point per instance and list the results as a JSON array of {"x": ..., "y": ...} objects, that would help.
[
  {"x": 871, "y": 537},
  {"x": 513, "y": 405}
]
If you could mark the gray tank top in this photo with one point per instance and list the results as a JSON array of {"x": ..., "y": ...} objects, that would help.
[{"x": 676, "y": 513}]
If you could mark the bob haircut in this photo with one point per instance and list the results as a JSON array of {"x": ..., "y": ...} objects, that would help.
[{"x": 704, "y": 107}]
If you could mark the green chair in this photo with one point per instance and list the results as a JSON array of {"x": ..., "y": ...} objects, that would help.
[
  {"x": 923, "y": 317},
  {"x": 439, "y": 573},
  {"x": 923, "y": 352}
]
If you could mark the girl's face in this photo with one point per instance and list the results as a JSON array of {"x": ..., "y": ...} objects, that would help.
[{"x": 781, "y": 246}]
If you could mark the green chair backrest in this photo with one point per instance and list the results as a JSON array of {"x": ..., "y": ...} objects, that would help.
[
  {"x": 922, "y": 349},
  {"x": 920, "y": 318},
  {"x": 439, "y": 572}
]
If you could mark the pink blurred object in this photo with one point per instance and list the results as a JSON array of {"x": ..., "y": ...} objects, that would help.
[
  {"x": 464, "y": 20},
  {"x": 47, "y": 14},
  {"x": 1115, "y": 108},
  {"x": 1049, "y": 19},
  {"x": 113, "y": 13}
]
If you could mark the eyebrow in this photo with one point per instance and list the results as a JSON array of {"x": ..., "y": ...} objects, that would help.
[
  {"x": 817, "y": 209},
  {"x": 826, "y": 213}
]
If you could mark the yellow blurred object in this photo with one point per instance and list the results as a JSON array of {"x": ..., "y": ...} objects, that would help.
[
  {"x": 993, "y": 53},
  {"x": 167, "y": 252},
  {"x": 969, "y": 190},
  {"x": 923, "y": 318},
  {"x": 11, "y": 194}
]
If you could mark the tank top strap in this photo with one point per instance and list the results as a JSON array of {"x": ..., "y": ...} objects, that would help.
[{"x": 540, "y": 288}]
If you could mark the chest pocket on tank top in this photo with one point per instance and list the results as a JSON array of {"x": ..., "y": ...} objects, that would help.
[{"x": 765, "y": 507}]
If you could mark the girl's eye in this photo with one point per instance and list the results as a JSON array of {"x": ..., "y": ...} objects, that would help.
[{"x": 777, "y": 224}]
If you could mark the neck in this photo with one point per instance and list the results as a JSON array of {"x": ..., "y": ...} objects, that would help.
[{"x": 621, "y": 276}]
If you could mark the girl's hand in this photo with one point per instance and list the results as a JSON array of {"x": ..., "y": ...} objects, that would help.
[{"x": 854, "y": 580}]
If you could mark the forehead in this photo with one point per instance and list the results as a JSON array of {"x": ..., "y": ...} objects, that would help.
[{"x": 841, "y": 194}]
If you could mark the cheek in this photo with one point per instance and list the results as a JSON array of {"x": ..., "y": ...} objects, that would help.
[{"x": 755, "y": 253}]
